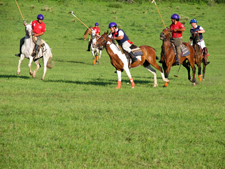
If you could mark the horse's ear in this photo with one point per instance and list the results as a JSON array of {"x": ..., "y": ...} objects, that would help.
[{"x": 107, "y": 32}]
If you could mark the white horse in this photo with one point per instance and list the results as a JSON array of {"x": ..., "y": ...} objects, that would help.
[
  {"x": 27, "y": 50},
  {"x": 96, "y": 52}
]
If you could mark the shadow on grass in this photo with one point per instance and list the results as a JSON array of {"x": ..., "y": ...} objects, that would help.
[
  {"x": 96, "y": 83},
  {"x": 78, "y": 62},
  {"x": 14, "y": 76}
]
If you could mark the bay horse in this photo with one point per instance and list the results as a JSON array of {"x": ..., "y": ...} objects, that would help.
[
  {"x": 168, "y": 56},
  {"x": 198, "y": 55},
  {"x": 27, "y": 50},
  {"x": 87, "y": 32},
  {"x": 120, "y": 61},
  {"x": 96, "y": 52}
]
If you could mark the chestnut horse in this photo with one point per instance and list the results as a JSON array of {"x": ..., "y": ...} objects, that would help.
[
  {"x": 120, "y": 61},
  {"x": 198, "y": 55},
  {"x": 168, "y": 56},
  {"x": 87, "y": 32}
]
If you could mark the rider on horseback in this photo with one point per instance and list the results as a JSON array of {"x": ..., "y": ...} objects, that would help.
[
  {"x": 97, "y": 29},
  {"x": 39, "y": 29},
  {"x": 177, "y": 29},
  {"x": 122, "y": 39},
  {"x": 198, "y": 29}
]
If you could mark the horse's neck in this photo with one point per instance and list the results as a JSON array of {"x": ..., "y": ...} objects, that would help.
[{"x": 110, "y": 46}]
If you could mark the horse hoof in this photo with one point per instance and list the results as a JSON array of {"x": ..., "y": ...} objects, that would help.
[
  {"x": 155, "y": 85},
  {"x": 18, "y": 73},
  {"x": 193, "y": 84},
  {"x": 42, "y": 78},
  {"x": 166, "y": 80},
  {"x": 203, "y": 79}
]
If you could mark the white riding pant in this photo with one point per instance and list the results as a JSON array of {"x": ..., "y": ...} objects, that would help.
[
  {"x": 126, "y": 46},
  {"x": 201, "y": 44}
]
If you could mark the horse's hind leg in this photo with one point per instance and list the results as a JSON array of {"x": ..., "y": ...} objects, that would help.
[
  {"x": 20, "y": 60},
  {"x": 204, "y": 68},
  {"x": 45, "y": 67},
  {"x": 187, "y": 66},
  {"x": 150, "y": 69}
]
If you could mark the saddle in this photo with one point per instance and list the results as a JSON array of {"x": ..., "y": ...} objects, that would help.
[
  {"x": 184, "y": 50},
  {"x": 35, "y": 53}
]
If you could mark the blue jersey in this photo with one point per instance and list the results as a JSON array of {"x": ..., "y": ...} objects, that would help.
[
  {"x": 192, "y": 30},
  {"x": 125, "y": 37}
]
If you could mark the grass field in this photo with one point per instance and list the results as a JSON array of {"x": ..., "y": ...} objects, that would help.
[{"x": 76, "y": 119}]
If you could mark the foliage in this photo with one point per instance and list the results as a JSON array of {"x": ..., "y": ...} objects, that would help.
[{"x": 76, "y": 119}]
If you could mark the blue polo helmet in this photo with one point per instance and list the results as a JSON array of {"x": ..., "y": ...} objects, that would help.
[
  {"x": 193, "y": 21},
  {"x": 96, "y": 24},
  {"x": 40, "y": 16},
  {"x": 112, "y": 24}
]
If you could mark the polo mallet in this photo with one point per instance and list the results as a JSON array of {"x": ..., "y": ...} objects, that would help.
[
  {"x": 159, "y": 13},
  {"x": 78, "y": 19},
  {"x": 177, "y": 71},
  {"x": 19, "y": 10}
]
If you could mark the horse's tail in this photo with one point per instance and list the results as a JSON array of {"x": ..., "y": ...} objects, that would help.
[{"x": 50, "y": 63}]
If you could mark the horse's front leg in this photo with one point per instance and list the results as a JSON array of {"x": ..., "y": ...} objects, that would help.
[
  {"x": 29, "y": 65},
  {"x": 19, "y": 64},
  {"x": 166, "y": 69},
  {"x": 93, "y": 55},
  {"x": 129, "y": 76},
  {"x": 119, "y": 79},
  {"x": 38, "y": 66}
]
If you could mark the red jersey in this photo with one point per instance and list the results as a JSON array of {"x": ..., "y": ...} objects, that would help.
[
  {"x": 177, "y": 26},
  {"x": 96, "y": 29},
  {"x": 37, "y": 27}
]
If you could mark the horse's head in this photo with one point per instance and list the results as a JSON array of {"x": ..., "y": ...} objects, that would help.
[
  {"x": 165, "y": 34},
  {"x": 102, "y": 40},
  {"x": 28, "y": 29},
  {"x": 195, "y": 37},
  {"x": 93, "y": 34}
]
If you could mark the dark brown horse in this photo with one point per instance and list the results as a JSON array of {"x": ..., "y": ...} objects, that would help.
[
  {"x": 168, "y": 56},
  {"x": 87, "y": 32},
  {"x": 198, "y": 55},
  {"x": 120, "y": 61}
]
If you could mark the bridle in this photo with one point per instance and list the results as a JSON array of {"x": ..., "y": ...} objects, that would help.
[{"x": 166, "y": 38}]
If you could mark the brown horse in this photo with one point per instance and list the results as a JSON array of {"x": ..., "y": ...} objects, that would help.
[
  {"x": 198, "y": 55},
  {"x": 87, "y": 32},
  {"x": 120, "y": 61},
  {"x": 168, "y": 56}
]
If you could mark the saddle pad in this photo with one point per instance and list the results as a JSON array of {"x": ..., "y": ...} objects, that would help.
[
  {"x": 137, "y": 52},
  {"x": 184, "y": 50}
]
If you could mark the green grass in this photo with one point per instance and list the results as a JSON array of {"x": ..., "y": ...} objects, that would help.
[{"x": 76, "y": 119}]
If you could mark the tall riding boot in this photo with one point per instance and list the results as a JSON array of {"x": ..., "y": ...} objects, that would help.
[
  {"x": 205, "y": 54},
  {"x": 133, "y": 57},
  {"x": 178, "y": 56},
  {"x": 89, "y": 45},
  {"x": 35, "y": 51}
]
